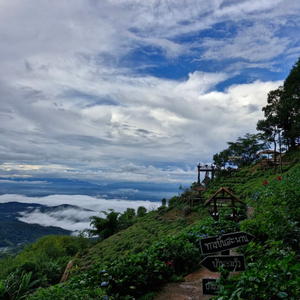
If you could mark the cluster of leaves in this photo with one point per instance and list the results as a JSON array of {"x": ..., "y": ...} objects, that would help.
[
  {"x": 17, "y": 286},
  {"x": 244, "y": 151},
  {"x": 273, "y": 258},
  {"x": 137, "y": 274},
  {"x": 113, "y": 222}
]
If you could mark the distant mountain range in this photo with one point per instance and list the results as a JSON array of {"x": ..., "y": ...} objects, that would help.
[{"x": 39, "y": 187}]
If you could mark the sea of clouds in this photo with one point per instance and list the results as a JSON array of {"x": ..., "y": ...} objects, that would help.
[{"x": 75, "y": 218}]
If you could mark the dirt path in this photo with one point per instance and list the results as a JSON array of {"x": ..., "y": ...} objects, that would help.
[
  {"x": 250, "y": 211},
  {"x": 190, "y": 289}
]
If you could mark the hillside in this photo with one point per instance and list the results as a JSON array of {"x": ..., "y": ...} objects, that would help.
[
  {"x": 163, "y": 245},
  {"x": 171, "y": 220},
  {"x": 147, "y": 230}
]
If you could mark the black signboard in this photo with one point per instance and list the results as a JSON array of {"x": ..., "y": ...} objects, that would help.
[
  {"x": 209, "y": 286},
  {"x": 225, "y": 241},
  {"x": 229, "y": 262}
]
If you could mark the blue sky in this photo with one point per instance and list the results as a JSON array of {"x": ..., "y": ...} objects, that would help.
[{"x": 139, "y": 91}]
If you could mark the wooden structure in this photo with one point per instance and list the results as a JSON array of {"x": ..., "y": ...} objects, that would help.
[
  {"x": 275, "y": 160},
  {"x": 206, "y": 169},
  {"x": 220, "y": 197},
  {"x": 67, "y": 271},
  {"x": 200, "y": 189},
  {"x": 268, "y": 160},
  {"x": 196, "y": 196}
]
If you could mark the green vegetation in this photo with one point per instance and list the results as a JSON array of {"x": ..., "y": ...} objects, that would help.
[
  {"x": 273, "y": 257},
  {"x": 140, "y": 236},
  {"x": 283, "y": 110},
  {"x": 137, "y": 274},
  {"x": 112, "y": 223},
  {"x": 244, "y": 150},
  {"x": 38, "y": 264}
]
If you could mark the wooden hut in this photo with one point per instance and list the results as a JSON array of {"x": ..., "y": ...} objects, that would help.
[{"x": 220, "y": 197}]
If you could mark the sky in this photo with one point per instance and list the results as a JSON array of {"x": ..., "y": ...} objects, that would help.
[{"x": 137, "y": 91}]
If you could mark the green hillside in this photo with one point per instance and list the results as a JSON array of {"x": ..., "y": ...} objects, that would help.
[
  {"x": 171, "y": 220},
  {"x": 145, "y": 231}
]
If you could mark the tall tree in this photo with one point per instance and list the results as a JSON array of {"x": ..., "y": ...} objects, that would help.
[
  {"x": 283, "y": 109},
  {"x": 291, "y": 96},
  {"x": 243, "y": 151}
]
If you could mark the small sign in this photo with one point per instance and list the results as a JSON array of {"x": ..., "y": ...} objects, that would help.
[
  {"x": 229, "y": 262},
  {"x": 232, "y": 158},
  {"x": 209, "y": 286},
  {"x": 225, "y": 242}
]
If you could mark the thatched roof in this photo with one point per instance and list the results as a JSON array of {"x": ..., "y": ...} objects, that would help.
[
  {"x": 227, "y": 191},
  {"x": 267, "y": 152},
  {"x": 200, "y": 188}
]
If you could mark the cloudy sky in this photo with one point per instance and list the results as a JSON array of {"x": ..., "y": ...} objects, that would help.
[{"x": 134, "y": 90}]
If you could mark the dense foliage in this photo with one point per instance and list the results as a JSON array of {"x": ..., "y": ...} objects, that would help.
[
  {"x": 283, "y": 109},
  {"x": 38, "y": 264},
  {"x": 113, "y": 222},
  {"x": 243, "y": 151},
  {"x": 273, "y": 258}
]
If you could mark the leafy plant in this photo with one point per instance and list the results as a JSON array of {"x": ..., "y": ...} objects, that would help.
[{"x": 17, "y": 287}]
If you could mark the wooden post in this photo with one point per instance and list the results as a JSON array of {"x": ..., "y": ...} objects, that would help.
[
  {"x": 274, "y": 167},
  {"x": 198, "y": 174},
  {"x": 215, "y": 213},
  {"x": 206, "y": 179},
  {"x": 280, "y": 161}
]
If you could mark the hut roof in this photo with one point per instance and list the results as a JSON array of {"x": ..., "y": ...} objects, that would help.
[
  {"x": 267, "y": 152},
  {"x": 200, "y": 188},
  {"x": 226, "y": 190}
]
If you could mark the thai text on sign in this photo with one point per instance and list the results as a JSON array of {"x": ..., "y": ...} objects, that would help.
[{"x": 225, "y": 242}]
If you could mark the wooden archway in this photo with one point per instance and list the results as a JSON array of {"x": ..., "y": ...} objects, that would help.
[{"x": 221, "y": 196}]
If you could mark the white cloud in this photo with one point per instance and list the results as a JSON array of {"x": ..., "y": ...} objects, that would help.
[
  {"x": 190, "y": 122},
  {"x": 258, "y": 43},
  {"x": 75, "y": 103},
  {"x": 71, "y": 218},
  {"x": 24, "y": 181}
]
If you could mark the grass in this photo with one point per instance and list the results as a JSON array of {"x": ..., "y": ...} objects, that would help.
[{"x": 145, "y": 232}]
